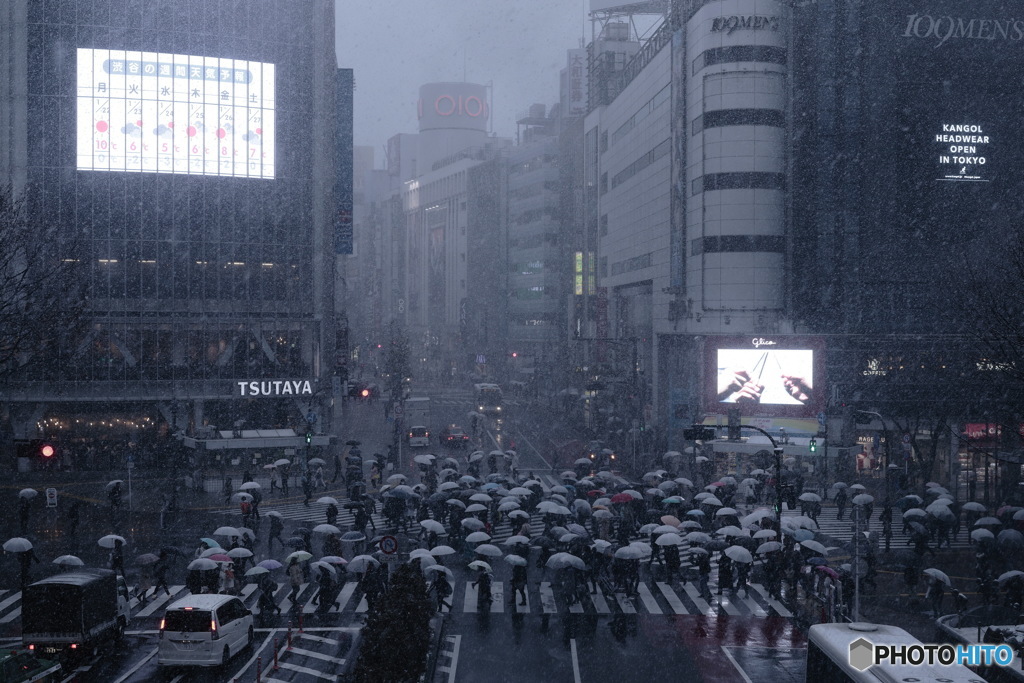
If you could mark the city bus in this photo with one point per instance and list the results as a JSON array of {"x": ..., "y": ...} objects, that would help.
[
  {"x": 488, "y": 397},
  {"x": 828, "y": 657}
]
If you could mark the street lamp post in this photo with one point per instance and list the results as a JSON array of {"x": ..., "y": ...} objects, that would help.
[{"x": 777, "y": 451}]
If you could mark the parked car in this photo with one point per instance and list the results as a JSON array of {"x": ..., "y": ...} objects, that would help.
[
  {"x": 204, "y": 630},
  {"x": 453, "y": 436}
]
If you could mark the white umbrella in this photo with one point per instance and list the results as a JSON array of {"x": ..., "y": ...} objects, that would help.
[
  {"x": 810, "y": 497},
  {"x": 697, "y": 537},
  {"x": 420, "y": 552},
  {"x": 18, "y": 545},
  {"x": 299, "y": 555},
  {"x": 241, "y": 497},
  {"x": 476, "y": 507},
  {"x": 256, "y": 571},
  {"x": 974, "y": 507},
  {"x": 239, "y": 553},
  {"x": 725, "y": 512},
  {"x": 668, "y": 539},
  {"x": 326, "y": 500},
  {"x": 480, "y": 565},
  {"x": 517, "y": 540},
  {"x": 396, "y": 479},
  {"x": 210, "y": 552},
  {"x": 766, "y": 534},
  {"x": 447, "y": 486},
  {"x": 249, "y": 486},
  {"x": 28, "y": 494},
  {"x": 516, "y": 560},
  {"x": 563, "y": 560},
  {"x": 326, "y": 567},
  {"x": 738, "y": 554},
  {"x": 68, "y": 561},
  {"x": 711, "y": 500},
  {"x": 472, "y": 523},
  {"x": 202, "y": 564},
  {"x": 425, "y": 458},
  {"x": 442, "y": 550},
  {"x": 228, "y": 531},
  {"x": 982, "y": 535},
  {"x": 815, "y": 546},
  {"x": 863, "y": 499},
  {"x": 857, "y": 487},
  {"x": 434, "y": 568},
  {"x": 478, "y": 537},
  {"x": 1003, "y": 578},
  {"x": 112, "y": 484},
  {"x": 938, "y": 575},
  {"x": 988, "y": 521},
  {"x": 488, "y": 550},
  {"x": 628, "y": 553},
  {"x": 509, "y": 506},
  {"x": 109, "y": 540},
  {"x": 432, "y": 525},
  {"x": 768, "y": 547},
  {"x": 326, "y": 529},
  {"x": 731, "y": 531},
  {"x": 281, "y": 462},
  {"x": 360, "y": 563}
]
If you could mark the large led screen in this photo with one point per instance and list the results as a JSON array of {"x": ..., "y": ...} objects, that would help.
[
  {"x": 162, "y": 113},
  {"x": 766, "y": 376}
]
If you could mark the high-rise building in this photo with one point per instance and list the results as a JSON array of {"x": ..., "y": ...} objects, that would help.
[{"x": 187, "y": 153}]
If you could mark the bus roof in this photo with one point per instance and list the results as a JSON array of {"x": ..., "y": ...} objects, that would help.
[{"x": 834, "y": 640}]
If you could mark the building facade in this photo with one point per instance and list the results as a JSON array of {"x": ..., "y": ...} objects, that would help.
[{"x": 191, "y": 167}]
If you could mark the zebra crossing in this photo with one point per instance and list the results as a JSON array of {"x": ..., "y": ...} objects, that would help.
[
  {"x": 842, "y": 529},
  {"x": 542, "y": 598}
]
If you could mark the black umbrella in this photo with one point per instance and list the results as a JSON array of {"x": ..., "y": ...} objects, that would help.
[
  {"x": 918, "y": 529},
  {"x": 353, "y": 442},
  {"x": 544, "y": 542},
  {"x": 296, "y": 542}
]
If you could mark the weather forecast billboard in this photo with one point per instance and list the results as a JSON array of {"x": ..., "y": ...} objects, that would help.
[
  {"x": 777, "y": 375},
  {"x": 164, "y": 113}
]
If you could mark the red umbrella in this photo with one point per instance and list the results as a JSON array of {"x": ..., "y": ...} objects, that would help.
[
  {"x": 828, "y": 571},
  {"x": 622, "y": 498},
  {"x": 594, "y": 493}
]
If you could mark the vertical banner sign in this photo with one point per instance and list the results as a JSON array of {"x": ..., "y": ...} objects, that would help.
[{"x": 343, "y": 232}]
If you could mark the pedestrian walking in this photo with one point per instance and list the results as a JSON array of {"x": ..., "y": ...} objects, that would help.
[
  {"x": 332, "y": 514},
  {"x": 318, "y": 478},
  {"x": 704, "y": 572},
  {"x": 724, "y": 573},
  {"x": 337, "y": 467},
  {"x": 160, "y": 573},
  {"x": 285, "y": 472},
  {"x": 117, "y": 558},
  {"x": 276, "y": 527},
  {"x": 273, "y": 480},
  {"x": 227, "y": 489},
  {"x": 307, "y": 489},
  {"x": 257, "y": 498},
  {"x": 442, "y": 589},
  {"x": 483, "y": 585},
  {"x": 145, "y": 583},
  {"x": 519, "y": 581},
  {"x": 742, "y": 571},
  {"x": 936, "y": 592},
  {"x": 267, "y": 588},
  {"x": 295, "y": 576},
  {"x": 840, "y": 503},
  {"x": 671, "y": 562}
]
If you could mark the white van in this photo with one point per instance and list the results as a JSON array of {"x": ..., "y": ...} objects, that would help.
[
  {"x": 204, "y": 630},
  {"x": 419, "y": 437}
]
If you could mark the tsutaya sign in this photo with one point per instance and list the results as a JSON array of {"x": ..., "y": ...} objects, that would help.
[
  {"x": 275, "y": 387},
  {"x": 943, "y": 28}
]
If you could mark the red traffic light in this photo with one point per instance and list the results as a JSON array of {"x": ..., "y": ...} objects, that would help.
[
  {"x": 515, "y": 355},
  {"x": 47, "y": 450},
  {"x": 364, "y": 393}
]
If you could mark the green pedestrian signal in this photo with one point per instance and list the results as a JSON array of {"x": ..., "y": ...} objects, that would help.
[
  {"x": 813, "y": 445},
  {"x": 309, "y": 438}
]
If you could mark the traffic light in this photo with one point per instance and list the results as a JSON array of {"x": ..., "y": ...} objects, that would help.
[
  {"x": 515, "y": 354},
  {"x": 46, "y": 450},
  {"x": 813, "y": 445},
  {"x": 309, "y": 438}
]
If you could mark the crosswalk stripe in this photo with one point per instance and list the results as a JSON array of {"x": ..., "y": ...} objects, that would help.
[
  {"x": 286, "y": 604},
  {"x": 726, "y": 604},
  {"x": 776, "y": 605},
  {"x": 10, "y": 601},
  {"x": 648, "y": 599},
  {"x": 547, "y": 598},
  {"x": 364, "y": 605},
  {"x": 577, "y": 607},
  {"x": 752, "y": 604},
  {"x": 625, "y": 604},
  {"x": 12, "y": 616},
  {"x": 673, "y": 600},
  {"x": 698, "y": 599},
  {"x": 600, "y": 604},
  {"x": 469, "y": 605},
  {"x": 497, "y": 593},
  {"x": 158, "y": 602},
  {"x": 346, "y": 594},
  {"x": 520, "y": 607}
]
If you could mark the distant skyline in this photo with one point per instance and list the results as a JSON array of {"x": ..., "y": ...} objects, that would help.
[{"x": 519, "y": 47}]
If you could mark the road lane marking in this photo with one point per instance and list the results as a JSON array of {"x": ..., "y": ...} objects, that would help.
[
  {"x": 648, "y": 599},
  {"x": 469, "y": 605},
  {"x": 138, "y": 666},
  {"x": 736, "y": 664},
  {"x": 673, "y": 600},
  {"x": 754, "y": 606},
  {"x": 255, "y": 654},
  {"x": 776, "y": 605},
  {"x": 317, "y": 655},
  {"x": 454, "y": 664},
  {"x": 498, "y": 595},
  {"x": 318, "y": 639},
  {"x": 306, "y": 670},
  {"x": 575, "y": 661},
  {"x": 547, "y": 598},
  {"x": 698, "y": 600},
  {"x": 727, "y": 605},
  {"x": 625, "y": 604},
  {"x": 158, "y": 601}
]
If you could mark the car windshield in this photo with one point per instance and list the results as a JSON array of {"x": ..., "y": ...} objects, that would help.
[
  {"x": 187, "y": 620},
  {"x": 418, "y": 431},
  {"x": 455, "y": 431}
]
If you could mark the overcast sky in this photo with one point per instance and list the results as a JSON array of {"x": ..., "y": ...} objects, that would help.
[{"x": 398, "y": 45}]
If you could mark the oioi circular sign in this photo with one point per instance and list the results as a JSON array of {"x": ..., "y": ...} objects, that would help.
[{"x": 389, "y": 545}]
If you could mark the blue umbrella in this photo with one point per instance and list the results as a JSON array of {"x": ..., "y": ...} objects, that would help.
[
  {"x": 817, "y": 561},
  {"x": 803, "y": 535}
]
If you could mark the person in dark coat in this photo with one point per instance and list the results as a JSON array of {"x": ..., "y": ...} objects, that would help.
[
  {"x": 267, "y": 587},
  {"x": 483, "y": 586},
  {"x": 160, "y": 573},
  {"x": 519, "y": 581},
  {"x": 840, "y": 503},
  {"x": 671, "y": 562},
  {"x": 742, "y": 572},
  {"x": 442, "y": 589},
  {"x": 332, "y": 514},
  {"x": 117, "y": 558},
  {"x": 74, "y": 517},
  {"x": 276, "y": 527},
  {"x": 724, "y": 573}
]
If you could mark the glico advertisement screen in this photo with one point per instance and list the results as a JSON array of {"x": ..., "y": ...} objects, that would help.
[
  {"x": 164, "y": 113},
  {"x": 772, "y": 376}
]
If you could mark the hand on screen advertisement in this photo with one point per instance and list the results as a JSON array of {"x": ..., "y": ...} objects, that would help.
[
  {"x": 736, "y": 386},
  {"x": 797, "y": 387}
]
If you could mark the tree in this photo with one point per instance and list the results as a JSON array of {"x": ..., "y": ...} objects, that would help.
[
  {"x": 42, "y": 294},
  {"x": 396, "y": 638},
  {"x": 396, "y": 359}
]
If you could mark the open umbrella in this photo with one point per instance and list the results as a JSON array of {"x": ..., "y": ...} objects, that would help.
[
  {"x": 915, "y": 513},
  {"x": 628, "y": 553},
  {"x": 281, "y": 462},
  {"x": 488, "y": 550},
  {"x": 326, "y": 529},
  {"x": 425, "y": 458},
  {"x": 71, "y": 561},
  {"x": 241, "y": 497},
  {"x": 1010, "y": 539},
  {"x": 480, "y": 565},
  {"x": 239, "y": 553},
  {"x": 360, "y": 563},
  {"x": 863, "y": 499},
  {"x": 769, "y": 547},
  {"x": 432, "y": 525},
  {"x": 766, "y": 534},
  {"x": 668, "y": 539},
  {"x": 472, "y": 523},
  {"x": 270, "y": 564},
  {"x": 988, "y": 521},
  {"x": 438, "y": 568},
  {"x": 973, "y": 506},
  {"x": 353, "y": 536},
  {"x": 210, "y": 552},
  {"x": 814, "y": 546},
  {"x": 300, "y": 555},
  {"x": 201, "y": 564},
  {"x": 938, "y": 575},
  {"x": 256, "y": 571},
  {"x": 810, "y": 497},
  {"x": 622, "y": 498},
  {"x": 333, "y": 559},
  {"x": 228, "y": 531},
  {"x": 249, "y": 486},
  {"x": 17, "y": 545},
  {"x": 323, "y": 566},
  {"x": 563, "y": 560},
  {"x": 697, "y": 537},
  {"x": 442, "y": 550},
  {"x": 327, "y": 500},
  {"x": 28, "y": 494},
  {"x": 857, "y": 487},
  {"x": 1003, "y": 578},
  {"x": 476, "y": 507},
  {"x": 980, "y": 535},
  {"x": 112, "y": 484},
  {"x": 219, "y": 557},
  {"x": 516, "y": 560},
  {"x": 478, "y": 537},
  {"x": 110, "y": 540},
  {"x": 738, "y": 554},
  {"x": 725, "y": 512},
  {"x": 316, "y": 461}
]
